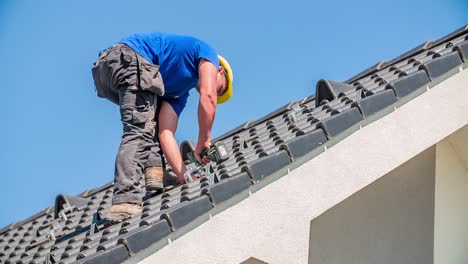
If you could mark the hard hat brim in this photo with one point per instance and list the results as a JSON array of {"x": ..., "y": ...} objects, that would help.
[{"x": 229, "y": 77}]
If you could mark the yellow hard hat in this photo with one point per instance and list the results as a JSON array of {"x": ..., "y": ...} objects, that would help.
[{"x": 229, "y": 77}]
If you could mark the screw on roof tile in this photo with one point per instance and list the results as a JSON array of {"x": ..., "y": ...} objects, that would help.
[
  {"x": 243, "y": 142},
  {"x": 51, "y": 235},
  {"x": 63, "y": 216},
  {"x": 358, "y": 96},
  {"x": 49, "y": 259},
  {"x": 210, "y": 173},
  {"x": 292, "y": 117},
  {"x": 296, "y": 108},
  {"x": 94, "y": 224},
  {"x": 46, "y": 227}
]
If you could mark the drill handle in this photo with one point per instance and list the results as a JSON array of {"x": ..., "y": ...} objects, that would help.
[
  {"x": 192, "y": 158},
  {"x": 214, "y": 153},
  {"x": 205, "y": 152}
]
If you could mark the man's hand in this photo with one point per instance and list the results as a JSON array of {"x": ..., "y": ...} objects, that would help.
[{"x": 201, "y": 146}]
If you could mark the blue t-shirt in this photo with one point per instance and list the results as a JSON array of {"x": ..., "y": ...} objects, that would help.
[{"x": 178, "y": 58}]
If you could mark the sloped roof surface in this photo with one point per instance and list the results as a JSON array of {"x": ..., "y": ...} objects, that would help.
[{"x": 73, "y": 231}]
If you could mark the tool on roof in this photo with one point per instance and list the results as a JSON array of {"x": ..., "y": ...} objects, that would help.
[{"x": 215, "y": 153}]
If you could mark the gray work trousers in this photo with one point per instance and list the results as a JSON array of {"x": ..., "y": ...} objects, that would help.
[{"x": 125, "y": 78}]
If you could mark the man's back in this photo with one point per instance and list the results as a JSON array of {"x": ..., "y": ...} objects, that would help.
[{"x": 177, "y": 55}]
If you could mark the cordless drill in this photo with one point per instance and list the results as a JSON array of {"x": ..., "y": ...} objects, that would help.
[{"x": 215, "y": 153}]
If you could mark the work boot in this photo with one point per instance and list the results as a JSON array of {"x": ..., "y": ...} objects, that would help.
[
  {"x": 123, "y": 211},
  {"x": 154, "y": 179}
]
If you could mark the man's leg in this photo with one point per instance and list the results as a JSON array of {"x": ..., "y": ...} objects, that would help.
[
  {"x": 154, "y": 170},
  {"x": 137, "y": 110}
]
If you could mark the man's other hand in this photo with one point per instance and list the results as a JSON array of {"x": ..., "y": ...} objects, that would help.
[{"x": 201, "y": 146}]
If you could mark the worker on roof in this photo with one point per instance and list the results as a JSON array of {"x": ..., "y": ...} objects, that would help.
[{"x": 149, "y": 75}]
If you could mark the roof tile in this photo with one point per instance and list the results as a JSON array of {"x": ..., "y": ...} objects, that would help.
[
  {"x": 330, "y": 90},
  {"x": 462, "y": 48},
  {"x": 336, "y": 124},
  {"x": 376, "y": 102},
  {"x": 267, "y": 165},
  {"x": 117, "y": 254},
  {"x": 144, "y": 237},
  {"x": 441, "y": 65},
  {"x": 187, "y": 211},
  {"x": 301, "y": 145},
  {"x": 228, "y": 187},
  {"x": 407, "y": 84}
]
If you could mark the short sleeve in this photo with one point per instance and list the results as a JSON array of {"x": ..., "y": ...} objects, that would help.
[
  {"x": 178, "y": 104},
  {"x": 208, "y": 53}
]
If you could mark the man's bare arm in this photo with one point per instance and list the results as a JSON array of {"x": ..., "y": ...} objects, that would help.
[{"x": 207, "y": 105}]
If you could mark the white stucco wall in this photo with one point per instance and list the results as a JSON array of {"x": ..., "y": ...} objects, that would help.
[
  {"x": 451, "y": 201},
  {"x": 273, "y": 223},
  {"x": 389, "y": 221}
]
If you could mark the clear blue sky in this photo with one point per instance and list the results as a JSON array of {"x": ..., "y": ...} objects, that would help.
[{"x": 58, "y": 137}]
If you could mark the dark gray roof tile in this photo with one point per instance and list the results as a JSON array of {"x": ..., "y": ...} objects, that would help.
[
  {"x": 228, "y": 187},
  {"x": 68, "y": 202},
  {"x": 338, "y": 123},
  {"x": 376, "y": 102},
  {"x": 411, "y": 70},
  {"x": 117, "y": 254},
  {"x": 299, "y": 146},
  {"x": 407, "y": 84},
  {"x": 185, "y": 212},
  {"x": 330, "y": 90},
  {"x": 265, "y": 166},
  {"x": 462, "y": 49},
  {"x": 413, "y": 52},
  {"x": 144, "y": 237},
  {"x": 442, "y": 64}
]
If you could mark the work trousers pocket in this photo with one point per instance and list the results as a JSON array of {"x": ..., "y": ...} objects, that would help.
[
  {"x": 99, "y": 80},
  {"x": 107, "y": 72},
  {"x": 137, "y": 109},
  {"x": 150, "y": 77}
]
